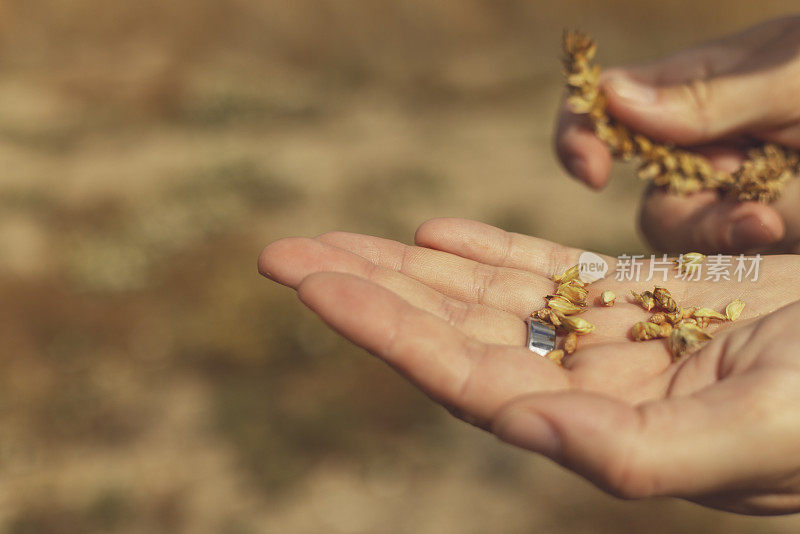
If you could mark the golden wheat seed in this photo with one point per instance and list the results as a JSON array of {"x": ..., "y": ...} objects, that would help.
[
  {"x": 645, "y": 300},
  {"x": 689, "y": 262},
  {"x": 639, "y": 331},
  {"x": 653, "y": 330},
  {"x": 666, "y": 330},
  {"x": 576, "y": 324},
  {"x": 556, "y": 356},
  {"x": 564, "y": 306},
  {"x": 675, "y": 317},
  {"x": 734, "y": 309},
  {"x": 607, "y": 298},
  {"x": 664, "y": 299},
  {"x": 574, "y": 293},
  {"x": 571, "y": 343},
  {"x": 570, "y": 274},
  {"x": 649, "y": 300},
  {"x": 708, "y": 313},
  {"x": 684, "y": 337}
]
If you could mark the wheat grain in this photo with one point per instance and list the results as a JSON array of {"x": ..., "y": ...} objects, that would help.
[
  {"x": 684, "y": 327},
  {"x": 607, "y": 298},
  {"x": 734, "y": 310}
]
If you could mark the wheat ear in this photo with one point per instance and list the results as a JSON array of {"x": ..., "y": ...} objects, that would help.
[{"x": 761, "y": 177}]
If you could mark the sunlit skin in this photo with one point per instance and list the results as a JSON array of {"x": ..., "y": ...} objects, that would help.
[
  {"x": 718, "y": 99},
  {"x": 720, "y": 427}
]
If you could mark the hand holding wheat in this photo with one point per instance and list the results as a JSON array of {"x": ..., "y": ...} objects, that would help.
[{"x": 719, "y": 100}]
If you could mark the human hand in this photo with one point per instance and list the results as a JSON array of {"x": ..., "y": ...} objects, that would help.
[
  {"x": 717, "y": 99},
  {"x": 718, "y": 427}
]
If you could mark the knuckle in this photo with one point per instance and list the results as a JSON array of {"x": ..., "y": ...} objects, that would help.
[
  {"x": 628, "y": 478},
  {"x": 559, "y": 259},
  {"x": 464, "y": 387},
  {"x": 698, "y": 94},
  {"x": 509, "y": 248},
  {"x": 483, "y": 278}
]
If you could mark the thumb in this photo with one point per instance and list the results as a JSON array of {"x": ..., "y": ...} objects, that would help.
[
  {"x": 704, "y": 223},
  {"x": 710, "y": 92},
  {"x": 694, "y": 112},
  {"x": 678, "y": 447}
]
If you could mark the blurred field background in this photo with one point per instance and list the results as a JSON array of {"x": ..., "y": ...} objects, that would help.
[{"x": 151, "y": 381}]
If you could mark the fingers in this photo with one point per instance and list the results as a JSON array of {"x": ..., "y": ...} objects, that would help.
[
  {"x": 704, "y": 223},
  {"x": 470, "y": 377},
  {"x": 490, "y": 245},
  {"x": 782, "y": 135},
  {"x": 583, "y": 155},
  {"x": 289, "y": 261},
  {"x": 727, "y": 157},
  {"x": 512, "y": 290},
  {"x": 707, "y": 93},
  {"x": 697, "y": 96},
  {"x": 697, "y": 111},
  {"x": 683, "y": 446}
]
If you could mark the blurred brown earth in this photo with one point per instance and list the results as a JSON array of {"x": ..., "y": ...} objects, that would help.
[{"x": 152, "y": 382}]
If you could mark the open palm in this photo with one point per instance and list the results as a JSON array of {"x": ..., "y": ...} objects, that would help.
[{"x": 449, "y": 314}]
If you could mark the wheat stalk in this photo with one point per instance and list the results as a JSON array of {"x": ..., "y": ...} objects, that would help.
[{"x": 761, "y": 177}]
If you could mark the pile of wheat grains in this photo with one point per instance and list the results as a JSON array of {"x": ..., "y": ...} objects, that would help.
[{"x": 684, "y": 328}]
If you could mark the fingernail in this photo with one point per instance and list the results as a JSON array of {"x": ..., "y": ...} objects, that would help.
[
  {"x": 263, "y": 272},
  {"x": 530, "y": 431},
  {"x": 634, "y": 92},
  {"x": 749, "y": 232}
]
